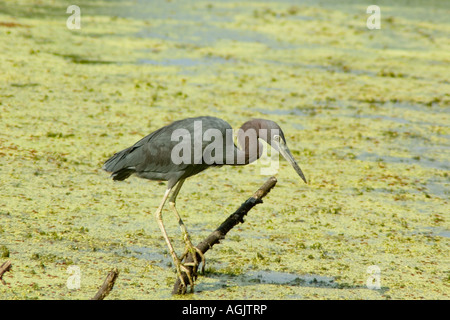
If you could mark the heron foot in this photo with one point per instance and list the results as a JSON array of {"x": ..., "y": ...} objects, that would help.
[
  {"x": 183, "y": 268},
  {"x": 194, "y": 251}
]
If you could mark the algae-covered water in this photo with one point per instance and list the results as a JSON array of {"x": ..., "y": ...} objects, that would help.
[{"x": 365, "y": 113}]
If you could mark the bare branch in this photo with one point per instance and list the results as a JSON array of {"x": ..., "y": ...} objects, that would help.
[
  {"x": 223, "y": 229},
  {"x": 3, "y": 268},
  {"x": 107, "y": 285}
]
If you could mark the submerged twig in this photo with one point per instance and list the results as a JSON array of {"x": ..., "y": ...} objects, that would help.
[
  {"x": 3, "y": 268},
  {"x": 222, "y": 230},
  {"x": 107, "y": 285}
]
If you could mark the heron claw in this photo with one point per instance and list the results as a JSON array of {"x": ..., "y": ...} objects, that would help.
[
  {"x": 194, "y": 251},
  {"x": 182, "y": 268}
]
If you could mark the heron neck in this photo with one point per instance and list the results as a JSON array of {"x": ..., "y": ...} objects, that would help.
[{"x": 250, "y": 148}]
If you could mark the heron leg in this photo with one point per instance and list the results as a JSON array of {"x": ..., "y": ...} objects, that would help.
[
  {"x": 187, "y": 240},
  {"x": 179, "y": 266}
]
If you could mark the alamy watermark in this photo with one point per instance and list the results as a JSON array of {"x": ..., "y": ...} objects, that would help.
[
  {"x": 74, "y": 280},
  {"x": 374, "y": 20},
  {"x": 74, "y": 21},
  {"x": 374, "y": 280},
  {"x": 213, "y": 147}
]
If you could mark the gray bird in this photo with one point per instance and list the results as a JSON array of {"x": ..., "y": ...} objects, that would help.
[{"x": 187, "y": 147}]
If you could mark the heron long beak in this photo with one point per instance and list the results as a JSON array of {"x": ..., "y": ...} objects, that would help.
[{"x": 286, "y": 153}]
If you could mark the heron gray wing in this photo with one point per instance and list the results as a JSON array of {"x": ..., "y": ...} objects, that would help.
[{"x": 152, "y": 158}]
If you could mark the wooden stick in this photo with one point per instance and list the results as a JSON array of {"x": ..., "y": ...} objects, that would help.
[
  {"x": 3, "y": 268},
  {"x": 222, "y": 230},
  {"x": 107, "y": 285}
]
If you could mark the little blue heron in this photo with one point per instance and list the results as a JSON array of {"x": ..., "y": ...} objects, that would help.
[{"x": 185, "y": 148}]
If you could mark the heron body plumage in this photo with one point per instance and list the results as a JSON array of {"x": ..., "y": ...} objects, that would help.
[{"x": 151, "y": 157}]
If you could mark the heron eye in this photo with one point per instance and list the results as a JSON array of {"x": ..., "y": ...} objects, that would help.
[{"x": 276, "y": 138}]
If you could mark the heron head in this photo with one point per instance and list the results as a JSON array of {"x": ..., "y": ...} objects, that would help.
[{"x": 276, "y": 139}]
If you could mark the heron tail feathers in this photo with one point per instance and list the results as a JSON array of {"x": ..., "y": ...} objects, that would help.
[
  {"x": 122, "y": 174},
  {"x": 119, "y": 165}
]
